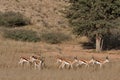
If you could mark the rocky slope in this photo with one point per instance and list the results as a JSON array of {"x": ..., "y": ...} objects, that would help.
[{"x": 44, "y": 13}]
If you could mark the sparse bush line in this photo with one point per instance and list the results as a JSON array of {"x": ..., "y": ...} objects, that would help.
[
  {"x": 13, "y": 19},
  {"x": 21, "y": 35},
  {"x": 54, "y": 37},
  {"x": 32, "y": 36}
]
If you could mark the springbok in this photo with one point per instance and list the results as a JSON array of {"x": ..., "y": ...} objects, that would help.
[
  {"x": 39, "y": 63},
  {"x": 67, "y": 62},
  {"x": 28, "y": 60},
  {"x": 101, "y": 62},
  {"x": 24, "y": 60},
  {"x": 84, "y": 62},
  {"x": 33, "y": 58}
]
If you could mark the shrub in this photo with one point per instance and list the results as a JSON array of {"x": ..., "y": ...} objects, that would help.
[
  {"x": 54, "y": 38},
  {"x": 22, "y": 35},
  {"x": 13, "y": 19}
]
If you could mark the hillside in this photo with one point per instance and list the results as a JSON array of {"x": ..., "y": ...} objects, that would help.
[{"x": 43, "y": 13}]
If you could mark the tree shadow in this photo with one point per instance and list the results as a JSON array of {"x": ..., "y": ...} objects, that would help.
[
  {"x": 88, "y": 45},
  {"x": 108, "y": 44}
]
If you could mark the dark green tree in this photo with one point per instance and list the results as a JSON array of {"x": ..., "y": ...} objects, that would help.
[{"x": 94, "y": 18}]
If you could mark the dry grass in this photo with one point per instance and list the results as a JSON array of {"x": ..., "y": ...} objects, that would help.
[
  {"x": 10, "y": 51},
  {"x": 43, "y": 13},
  {"x": 109, "y": 72}
]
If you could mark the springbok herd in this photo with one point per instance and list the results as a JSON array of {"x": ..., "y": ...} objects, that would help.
[{"x": 39, "y": 62}]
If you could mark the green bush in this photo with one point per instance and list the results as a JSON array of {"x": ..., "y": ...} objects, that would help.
[
  {"x": 54, "y": 38},
  {"x": 22, "y": 35},
  {"x": 13, "y": 19}
]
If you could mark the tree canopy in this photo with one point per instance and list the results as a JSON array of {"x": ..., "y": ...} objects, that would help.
[
  {"x": 94, "y": 17},
  {"x": 89, "y": 17}
]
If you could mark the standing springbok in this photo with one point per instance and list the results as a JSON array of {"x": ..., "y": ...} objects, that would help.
[
  {"x": 38, "y": 61},
  {"x": 38, "y": 64},
  {"x": 27, "y": 60},
  {"x": 84, "y": 62},
  {"x": 68, "y": 63},
  {"x": 24, "y": 60},
  {"x": 33, "y": 58},
  {"x": 101, "y": 62}
]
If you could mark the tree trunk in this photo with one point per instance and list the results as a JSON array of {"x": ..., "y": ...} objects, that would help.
[{"x": 99, "y": 43}]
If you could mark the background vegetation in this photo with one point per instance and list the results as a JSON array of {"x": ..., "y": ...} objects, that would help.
[
  {"x": 22, "y": 35},
  {"x": 13, "y": 19},
  {"x": 55, "y": 37},
  {"x": 96, "y": 19}
]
